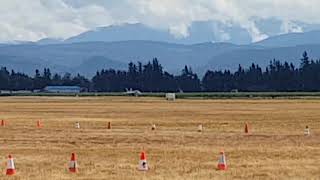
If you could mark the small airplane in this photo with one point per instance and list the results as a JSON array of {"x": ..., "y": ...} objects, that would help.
[{"x": 132, "y": 92}]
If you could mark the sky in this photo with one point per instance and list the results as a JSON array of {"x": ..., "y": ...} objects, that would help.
[{"x": 31, "y": 20}]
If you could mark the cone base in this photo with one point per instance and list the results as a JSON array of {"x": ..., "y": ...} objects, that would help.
[
  {"x": 143, "y": 169},
  {"x": 73, "y": 170},
  {"x": 222, "y": 167},
  {"x": 10, "y": 172}
]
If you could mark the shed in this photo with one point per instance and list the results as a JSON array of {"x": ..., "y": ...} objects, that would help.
[{"x": 62, "y": 89}]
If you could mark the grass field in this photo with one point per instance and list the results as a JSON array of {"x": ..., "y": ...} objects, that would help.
[{"x": 276, "y": 148}]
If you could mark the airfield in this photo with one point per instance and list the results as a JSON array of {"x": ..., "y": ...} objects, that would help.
[{"x": 275, "y": 147}]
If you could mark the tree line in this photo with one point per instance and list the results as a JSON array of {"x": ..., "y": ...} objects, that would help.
[{"x": 150, "y": 77}]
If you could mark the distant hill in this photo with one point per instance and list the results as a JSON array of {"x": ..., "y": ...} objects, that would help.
[
  {"x": 28, "y": 65},
  {"x": 87, "y": 58},
  {"x": 206, "y": 31},
  {"x": 123, "y": 32},
  {"x": 89, "y": 66},
  {"x": 262, "y": 56},
  {"x": 46, "y": 41},
  {"x": 115, "y": 46},
  {"x": 199, "y": 32},
  {"x": 292, "y": 39}
]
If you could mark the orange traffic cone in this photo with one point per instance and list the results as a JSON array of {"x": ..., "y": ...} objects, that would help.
[
  {"x": 3, "y": 123},
  {"x": 73, "y": 166},
  {"x": 109, "y": 125},
  {"x": 222, "y": 164},
  {"x": 10, "y": 166},
  {"x": 246, "y": 129},
  {"x": 143, "y": 165},
  {"x": 39, "y": 125}
]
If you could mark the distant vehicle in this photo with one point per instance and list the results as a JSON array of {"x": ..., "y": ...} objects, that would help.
[
  {"x": 132, "y": 92},
  {"x": 234, "y": 91}
]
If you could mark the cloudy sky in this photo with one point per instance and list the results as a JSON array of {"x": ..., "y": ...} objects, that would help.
[{"x": 36, "y": 19}]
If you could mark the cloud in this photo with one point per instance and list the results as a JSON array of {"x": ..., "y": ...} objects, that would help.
[
  {"x": 179, "y": 30},
  {"x": 288, "y": 27},
  {"x": 36, "y": 19},
  {"x": 221, "y": 35}
]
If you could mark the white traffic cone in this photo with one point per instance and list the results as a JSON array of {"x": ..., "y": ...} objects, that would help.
[
  {"x": 307, "y": 131},
  {"x": 200, "y": 128},
  {"x": 222, "y": 164},
  {"x": 11, "y": 170},
  {"x": 153, "y": 127},
  {"x": 77, "y": 125},
  {"x": 73, "y": 166}
]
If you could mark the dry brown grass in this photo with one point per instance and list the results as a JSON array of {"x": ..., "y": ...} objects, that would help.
[{"x": 276, "y": 149}]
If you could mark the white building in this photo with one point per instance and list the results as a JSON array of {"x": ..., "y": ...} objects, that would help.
[
  {"x": 62, "y": 89},
  {"x": 171, "y": 96}
]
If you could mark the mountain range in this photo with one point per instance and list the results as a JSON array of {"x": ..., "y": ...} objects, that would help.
[{"x": 116, "y": 46}]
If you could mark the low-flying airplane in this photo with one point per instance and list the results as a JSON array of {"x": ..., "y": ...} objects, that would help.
[{"x": 132, "y": 92}]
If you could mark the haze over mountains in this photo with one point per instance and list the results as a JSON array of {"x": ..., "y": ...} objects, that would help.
[{"x": 113, "y": 47}]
